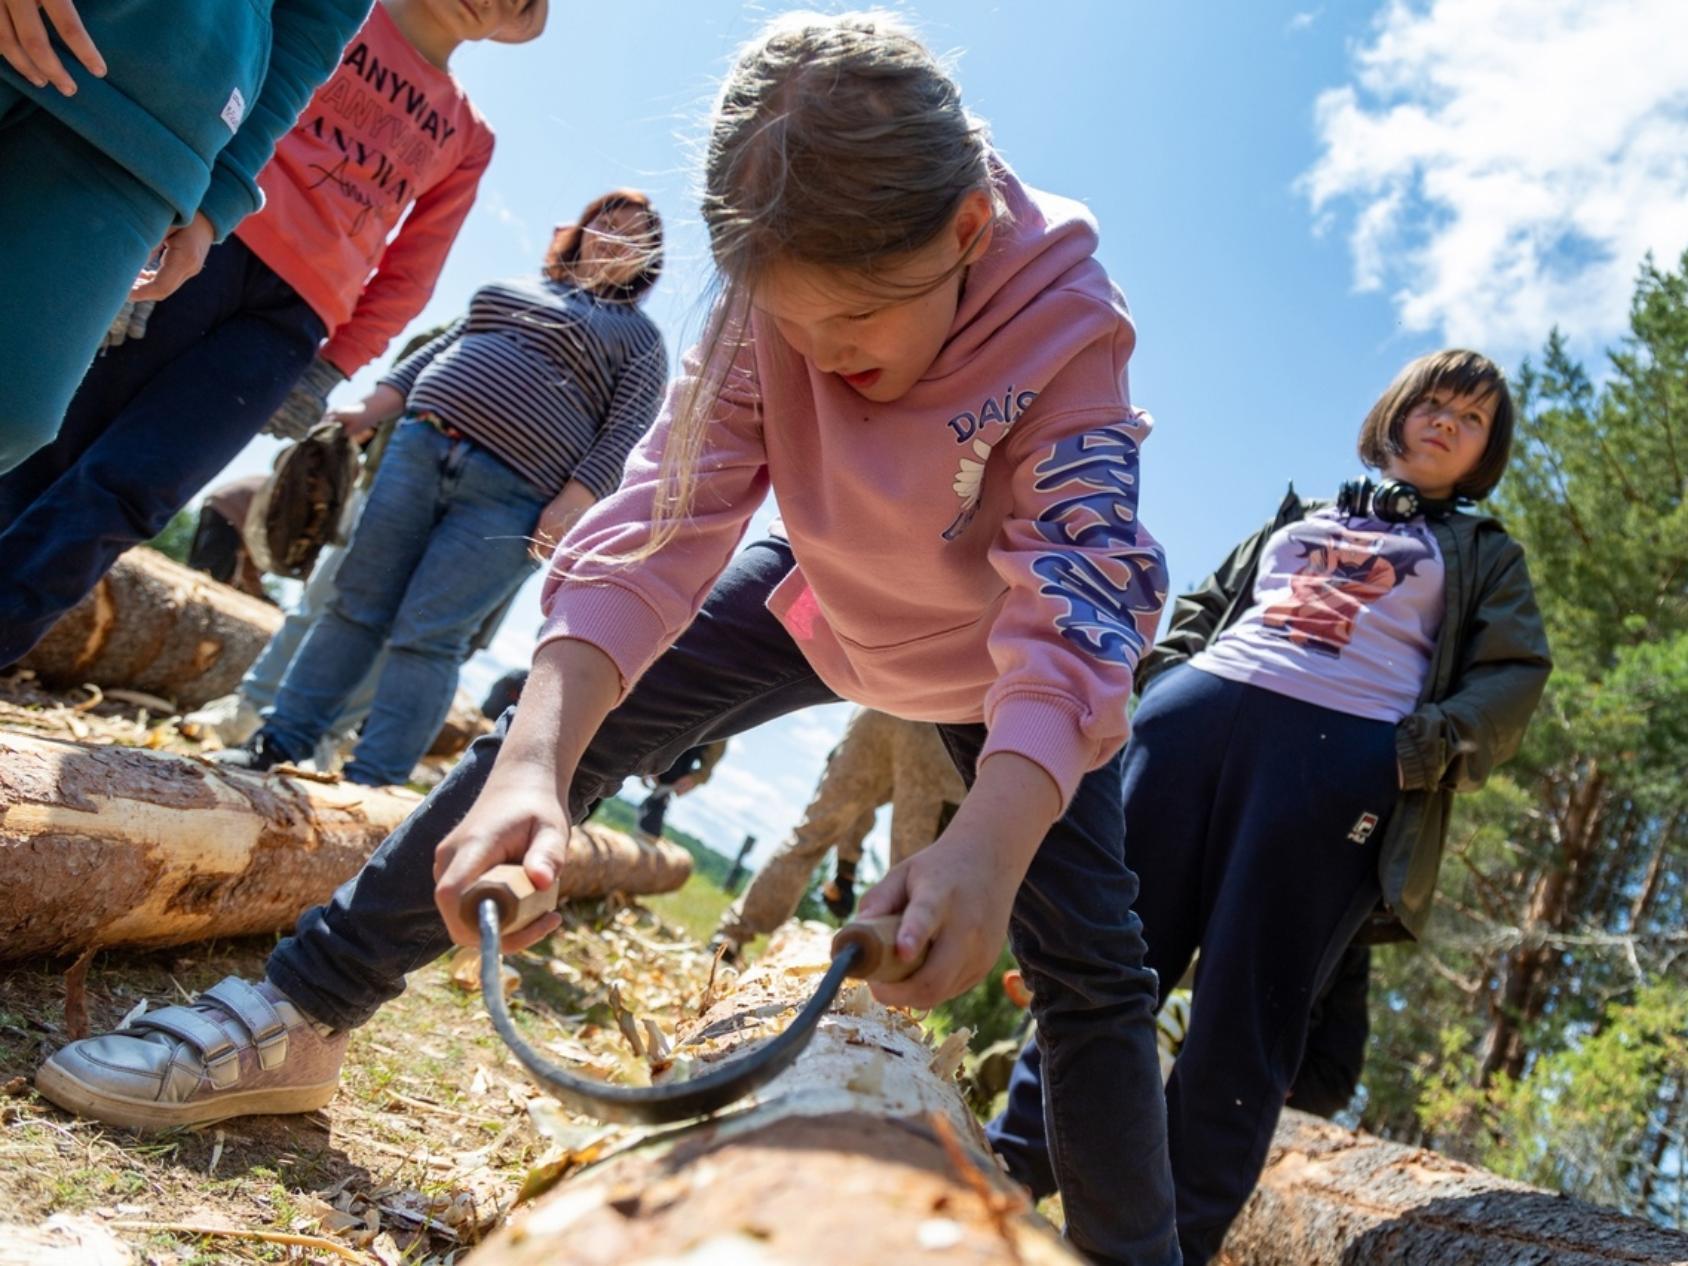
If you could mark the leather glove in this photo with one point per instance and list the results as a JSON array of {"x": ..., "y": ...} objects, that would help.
[
  {"x": 306, "y": 403},
  {"x": 839, "y": 896},
  {"x": 130, "y": 322}
]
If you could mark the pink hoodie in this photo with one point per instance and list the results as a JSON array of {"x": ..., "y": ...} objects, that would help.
[{"x": 969, "y": 552}]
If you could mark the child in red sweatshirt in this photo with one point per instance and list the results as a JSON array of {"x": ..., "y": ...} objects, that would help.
[{"x": 308, "y": 291}]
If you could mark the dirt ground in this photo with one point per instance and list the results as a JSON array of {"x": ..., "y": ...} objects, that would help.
[{"x": 433, "y": 1132}]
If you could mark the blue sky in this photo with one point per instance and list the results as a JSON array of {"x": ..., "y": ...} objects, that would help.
[{"x": 1296, "y": 199}]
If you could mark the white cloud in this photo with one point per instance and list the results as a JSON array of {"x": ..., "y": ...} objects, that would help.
[
  {"x": 1504, "y": 165},
  {"x": 762, "y": 784},
  {"x": 1303, "y": 21}
]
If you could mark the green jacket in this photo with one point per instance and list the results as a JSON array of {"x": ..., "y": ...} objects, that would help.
[
  {"x": 198, "y": 92},
  {"x": 1486, "y": 676}
]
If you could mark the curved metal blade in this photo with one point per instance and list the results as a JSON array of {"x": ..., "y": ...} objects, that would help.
[{"x": 656, "y": 1105}]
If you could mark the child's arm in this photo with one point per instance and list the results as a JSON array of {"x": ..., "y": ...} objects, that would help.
[
  {"x": 956, "y": 894},
  {"x": 307, "y": 38},
  {"x": 1086, "y": 583},
  {"x": 605, "y": 623},
  {"x": 521, "y": 814},
  {"x": 1085, "y": 587},
  {"x": 410, "y": 266},
  {"x": 1504, "y": 667}
]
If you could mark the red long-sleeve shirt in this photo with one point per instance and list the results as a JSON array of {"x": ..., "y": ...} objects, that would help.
[{"x": 388, "y": 134}]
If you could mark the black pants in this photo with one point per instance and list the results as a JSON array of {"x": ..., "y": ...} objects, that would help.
[
  {"x": 1254, "y": 822},
  {"x": 1072, "y": 927},
  {"x": 153, "y": 421}
]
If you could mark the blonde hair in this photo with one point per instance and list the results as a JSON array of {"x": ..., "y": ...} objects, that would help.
[{"x": 837, "y": 141}]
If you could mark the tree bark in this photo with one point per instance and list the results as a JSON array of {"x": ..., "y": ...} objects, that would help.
[
  {"x": 861, "y": 1152},
  {"x": 1522, "y": 977},
  {"x": 1330, "y": 1197},
  {"x": 103, "y": 846},
  {"x": 152, "y": 624}
]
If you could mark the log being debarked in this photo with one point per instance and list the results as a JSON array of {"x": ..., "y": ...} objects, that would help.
[
  {"x": 107, "y": 846},
  {"x": 861, "y": 1152}
]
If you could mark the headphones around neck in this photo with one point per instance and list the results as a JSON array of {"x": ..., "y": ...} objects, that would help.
[{"x": 1392, "y": 501}]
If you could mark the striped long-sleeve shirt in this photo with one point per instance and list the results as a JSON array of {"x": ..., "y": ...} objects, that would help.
[{"x": 551, "y": 380}]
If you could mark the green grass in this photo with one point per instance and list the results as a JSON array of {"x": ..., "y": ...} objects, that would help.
[{"x": 695, "y": 908}]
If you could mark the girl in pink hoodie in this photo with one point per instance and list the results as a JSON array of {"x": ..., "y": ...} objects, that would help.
[{"x": 925, "y": 362}]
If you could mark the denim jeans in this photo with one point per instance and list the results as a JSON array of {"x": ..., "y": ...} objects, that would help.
[
  {"x": 1246, "y": 815},
  {"x": 442, "y": 542},
  {"x": 263, "y": 680},
  {"x": 153, "y": 421},
  {"x": 1072, "y": 927}
]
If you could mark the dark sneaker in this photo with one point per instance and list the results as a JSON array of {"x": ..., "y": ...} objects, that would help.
[
  {"x": 239, "y": 1049},
  {"x": 258, "y": 754}
]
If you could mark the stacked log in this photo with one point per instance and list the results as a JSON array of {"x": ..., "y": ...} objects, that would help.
[
  {"x": 152, "y": 624},
  {"x": 106, "y": 846}
]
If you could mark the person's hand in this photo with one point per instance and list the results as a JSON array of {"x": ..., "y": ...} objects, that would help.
[
  {"x": 360, "y": 420},
  {"x": 954, "y": 896},
  {"x": 184, "y": 250},
  {"x": 518, "y": 817},
  {"x": 354, "y": 421},
  {"x": 554, "y": 524},
  {"x": 28, "y": 50},
  {"x": 685, "y": 784}
]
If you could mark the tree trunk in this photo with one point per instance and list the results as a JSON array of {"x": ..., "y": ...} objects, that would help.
[
  {"x": 152, "y": 624},
  {"x": 1330, "y": 1197},
  {"x": 103, "y": 846},
  {"x": 862, "y": 1152},
  {"x": 1522, "y": 977}
]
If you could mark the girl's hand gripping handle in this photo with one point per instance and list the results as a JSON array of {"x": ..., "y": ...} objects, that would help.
[
  {"x": 519, "y": 902},
  {"x": 877, "y": 938}
]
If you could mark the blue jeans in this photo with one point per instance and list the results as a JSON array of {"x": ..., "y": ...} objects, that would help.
[
  {"x": 263, "y": 680},
  {"x": 441, "y": 543},
  {"x": 1072, "y": 927},
  {"x": 75, "y": 229},
  {"x": 1244, "y": 818},
  {"x": 153, "y": 421}
]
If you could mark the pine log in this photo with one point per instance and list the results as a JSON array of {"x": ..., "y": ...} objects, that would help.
[
  {"x": 861, "y": 1152},
  {"x": 1331, "y": 1197},
  {"x": 152, "y": 624},
  {"x": 462, "y": 726},
  {"x": 104, "y": 846}
]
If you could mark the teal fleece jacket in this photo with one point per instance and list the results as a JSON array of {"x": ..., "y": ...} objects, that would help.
[{"x": 197, "y": 92}]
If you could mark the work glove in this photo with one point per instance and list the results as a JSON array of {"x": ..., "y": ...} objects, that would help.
[
  {"x": 306, "y": 403},
  {"x": 839, "y": 896},
  {"x": 130, "y": 322}
]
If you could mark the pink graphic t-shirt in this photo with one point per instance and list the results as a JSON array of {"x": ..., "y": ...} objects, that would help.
[{"x": 1345, "y": 616}]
